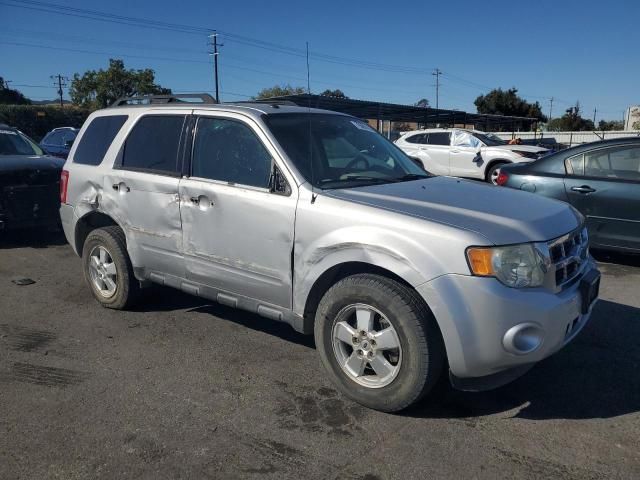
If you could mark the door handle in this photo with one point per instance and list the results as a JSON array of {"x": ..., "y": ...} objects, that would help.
[
  {"x": 201, "y": 200},
  {"x": 583, "y": 189},
  {"x": 455, "y": 151},
  {"x": 120, "y": 186}
]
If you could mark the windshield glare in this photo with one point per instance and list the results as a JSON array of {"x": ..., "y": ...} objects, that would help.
[
  {"x": 15, "y": 143},
  {"x": 346, "y": 152}
]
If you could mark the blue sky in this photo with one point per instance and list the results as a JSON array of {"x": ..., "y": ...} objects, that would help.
[{"x": 568, "y": 50}]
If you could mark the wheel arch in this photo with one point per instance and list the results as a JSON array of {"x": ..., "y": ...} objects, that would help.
[
  {"x": 495, "y": 161},
  {"x": 89, "y": 222},
  {"x": 334, "y": 274}
]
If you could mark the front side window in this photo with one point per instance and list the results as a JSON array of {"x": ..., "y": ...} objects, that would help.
[
  {"x": 229, "y": 151},
  {"x": 153, "y": 144},
  {"x": 15, "y": 143},
  {"x": 463, "y": 139},
  {"x": 97, "y": 138},
  {"x": 439, "y": 138},
  {"x": 337, "y": 151},
  {"x": 621, "y": 162}
]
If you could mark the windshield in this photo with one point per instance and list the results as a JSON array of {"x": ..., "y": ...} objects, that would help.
[
  {"x": 346, "y": 151},
  {"x": 489, "y": 139},
  {"x": 15, "y": 143}
]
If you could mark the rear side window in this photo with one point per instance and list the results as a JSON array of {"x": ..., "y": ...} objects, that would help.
[
  {"x": 97, "y": 138},
  {"x": 419, "y": 138},
  {"x": 153, "y": 144},
  {"x": 439, "y": 138}
]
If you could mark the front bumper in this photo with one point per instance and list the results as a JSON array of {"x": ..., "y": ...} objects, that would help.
[{"x": 480, "y": 317}]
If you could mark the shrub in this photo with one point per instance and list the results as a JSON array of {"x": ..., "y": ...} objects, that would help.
[{"x": 37, "y": 120}]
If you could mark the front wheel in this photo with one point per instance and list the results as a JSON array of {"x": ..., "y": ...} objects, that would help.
[
  {"x": 379, "y": 342},
  {"x": 494, "y": 172}
]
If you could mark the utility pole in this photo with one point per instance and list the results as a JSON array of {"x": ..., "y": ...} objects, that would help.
[
  {"x": 436, "y": 73},
  {"x": 594, "y": 116},
  {"x": 61, "y": 82},
  {"x": 550, "y": 108},
  {"x": 214, "y": 38}
]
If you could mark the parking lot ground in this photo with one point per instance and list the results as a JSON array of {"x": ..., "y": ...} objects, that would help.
[{"x": 181, "y": 388}]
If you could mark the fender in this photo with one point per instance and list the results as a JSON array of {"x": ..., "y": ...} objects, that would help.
[{"x": 373, "y": 246}]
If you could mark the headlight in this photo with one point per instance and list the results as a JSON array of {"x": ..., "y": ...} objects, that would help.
[
  {"x": 516, "y": 266},
  {"x": 526, "y": 154}
]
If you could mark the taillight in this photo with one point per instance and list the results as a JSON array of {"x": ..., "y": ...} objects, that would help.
[
  {"x": 64, "y": 183},
  {"x": 502, "y": 178}
]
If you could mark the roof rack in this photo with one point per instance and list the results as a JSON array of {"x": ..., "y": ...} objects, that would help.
[
  {"x": 163, "y": 99},
  {"x": 268, "y": 101}
]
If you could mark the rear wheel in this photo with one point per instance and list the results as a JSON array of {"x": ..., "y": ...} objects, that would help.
[
  {"x": 107, "y": 268},
  {"x": 493, "y": 172},
  {"x": 379, "y": 342}
]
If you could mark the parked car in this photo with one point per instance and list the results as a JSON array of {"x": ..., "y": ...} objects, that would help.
[
  {"x": 600, "y": 179},
  {"x": 312, "y": 218},
  {"x": 58, "y": 141},
  {"x": 29, "y": 182},
  {"x": 464, "y": 153}
]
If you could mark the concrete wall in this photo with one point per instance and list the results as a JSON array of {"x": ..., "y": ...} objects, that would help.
[{"x": 570, "y": 138}]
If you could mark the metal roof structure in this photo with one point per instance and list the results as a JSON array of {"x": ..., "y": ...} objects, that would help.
[{"x": 407, "y": 113}]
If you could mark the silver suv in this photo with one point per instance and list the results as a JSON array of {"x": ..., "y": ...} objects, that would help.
[
  {"x": 312, "y": 218},
  {"x": 464, "y": 153}
]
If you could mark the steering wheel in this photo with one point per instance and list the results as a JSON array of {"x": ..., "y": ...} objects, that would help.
[{"x": 358, "y": 159}]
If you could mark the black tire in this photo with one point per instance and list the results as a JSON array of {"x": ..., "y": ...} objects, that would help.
[
  {"x": 423, "y": 354},
  {"x": 491, "y": 171},
  {"x": 127, "y": 286}
]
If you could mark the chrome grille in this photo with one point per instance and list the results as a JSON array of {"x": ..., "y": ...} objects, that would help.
[{"x": 568, "y": 254}]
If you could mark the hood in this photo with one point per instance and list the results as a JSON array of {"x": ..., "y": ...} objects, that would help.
[
  {"x": 522, "y": 148},
  {"x": 29, "y": 162},
  {"x": 502, "y": 215}
]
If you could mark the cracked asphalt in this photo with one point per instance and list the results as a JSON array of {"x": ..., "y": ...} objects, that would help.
[{"x": 182, "y": 388}]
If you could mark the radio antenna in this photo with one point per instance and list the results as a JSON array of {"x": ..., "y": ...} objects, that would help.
[{"x": 313, "y": 194}]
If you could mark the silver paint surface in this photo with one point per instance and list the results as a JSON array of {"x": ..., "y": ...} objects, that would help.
[{"x": 264, "y": 252}]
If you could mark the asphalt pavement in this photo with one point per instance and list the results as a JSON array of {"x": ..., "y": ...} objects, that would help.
[{"x": 182, "y": 388}]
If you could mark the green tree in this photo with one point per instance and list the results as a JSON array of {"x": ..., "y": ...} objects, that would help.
[
  {"x": 337, "y": 93},
  {"x": 507, "y": 102},
  {"x": 423, "y": 102},
  {"x": 571, "y": 121},
  {"x": 279, "y": 91},
  {"x": 98, "y": 89},
  {"x": 611, "y": 125},
  {"x": 9, "y": 96}
]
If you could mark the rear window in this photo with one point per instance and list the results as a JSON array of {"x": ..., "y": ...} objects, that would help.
[
  {"x": 97, "y": 138},
  {"x": 153, "y": 144}
]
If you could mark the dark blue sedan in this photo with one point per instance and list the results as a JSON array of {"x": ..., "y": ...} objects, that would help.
[
  {"x": 600, "y": 179},
  {"x": 58, "y": 141}
]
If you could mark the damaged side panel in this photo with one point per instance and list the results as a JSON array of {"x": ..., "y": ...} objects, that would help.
[{"x": 147, "y": 207}]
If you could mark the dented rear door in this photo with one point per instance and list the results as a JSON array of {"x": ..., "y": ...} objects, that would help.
[{"x": 142, "y": 192}]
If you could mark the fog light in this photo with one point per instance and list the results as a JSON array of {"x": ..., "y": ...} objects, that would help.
[{"x": 522, "y": 339}]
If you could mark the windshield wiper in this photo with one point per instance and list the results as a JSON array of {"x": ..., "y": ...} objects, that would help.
[
  {"x": 411, "y": 176},
  {"x": 358, "y": 179}
]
